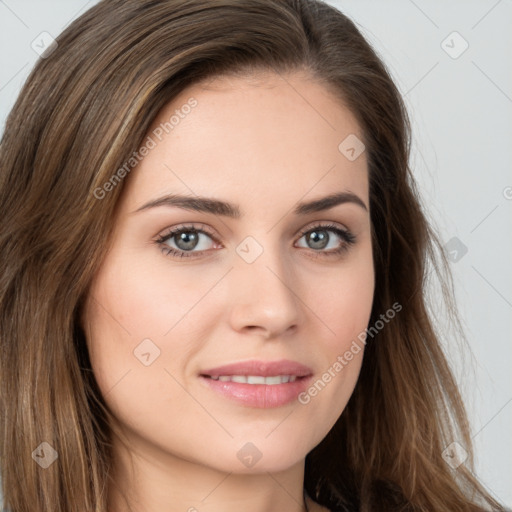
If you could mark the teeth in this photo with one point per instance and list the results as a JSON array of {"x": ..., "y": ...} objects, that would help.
[
  {"x": 256, "y": 379},
  {"x": 260, "y": 380}
]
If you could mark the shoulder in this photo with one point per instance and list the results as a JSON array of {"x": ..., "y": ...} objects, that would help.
[{"x": 313, "y": 506}]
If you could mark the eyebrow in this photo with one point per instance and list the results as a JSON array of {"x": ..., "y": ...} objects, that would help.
[{"x": 226, "y": 209}]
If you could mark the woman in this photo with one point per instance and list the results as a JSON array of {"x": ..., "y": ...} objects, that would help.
[{"x": 215, "y": 257}]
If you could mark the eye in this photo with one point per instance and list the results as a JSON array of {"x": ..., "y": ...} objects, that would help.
[
  {"x": 185, "y": 241},
  {"x": 327, "y": 239},
  {"x": 190, "y": 241}
]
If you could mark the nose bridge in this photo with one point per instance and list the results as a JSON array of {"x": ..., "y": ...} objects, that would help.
[{"x": 263, "y": 287}]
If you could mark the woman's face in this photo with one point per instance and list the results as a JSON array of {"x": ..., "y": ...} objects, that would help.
[{"x": 273, "y": 278}]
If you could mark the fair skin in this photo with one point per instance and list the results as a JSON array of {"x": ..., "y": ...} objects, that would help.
[{"x": 264, "y": 144}]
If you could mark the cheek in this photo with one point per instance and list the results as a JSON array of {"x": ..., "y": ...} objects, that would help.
[
  {"x": 344, "y": 303},
  {"x": 133, "y": 300},
  {"x": 344, "y": 307},
  {"x": 150, "y": 299},
  {"x": 129, "y": 312}
]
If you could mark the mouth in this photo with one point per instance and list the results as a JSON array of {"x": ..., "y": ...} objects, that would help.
[
  {"x": 256, "y": 379},
  {"x": 259, "y": 384}
]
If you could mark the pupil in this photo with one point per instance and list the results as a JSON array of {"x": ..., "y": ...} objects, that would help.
[{"x": 318, "y": 239}]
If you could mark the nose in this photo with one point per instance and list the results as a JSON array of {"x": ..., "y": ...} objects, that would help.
[{"x": 264, "y": 300}]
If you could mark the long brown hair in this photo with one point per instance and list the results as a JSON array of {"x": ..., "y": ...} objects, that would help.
[{"x": 84, "y": 110}]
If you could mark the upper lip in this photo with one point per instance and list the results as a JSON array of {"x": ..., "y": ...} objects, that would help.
[{"x": 263, "y": 368}]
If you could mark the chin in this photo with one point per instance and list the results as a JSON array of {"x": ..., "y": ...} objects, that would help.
[{"x": 260, "y": 455}]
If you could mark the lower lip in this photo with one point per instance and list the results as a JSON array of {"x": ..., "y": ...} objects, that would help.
[{"x": 263, "y": 396}]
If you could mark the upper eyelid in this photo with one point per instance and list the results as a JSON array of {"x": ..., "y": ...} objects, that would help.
[
  {"x": 325, "y": 224},
  {"x": 185, "y": 227}
]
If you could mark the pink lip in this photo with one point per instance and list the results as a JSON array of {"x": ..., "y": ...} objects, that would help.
[
  {"x": 262, "y": 396},
  {"x": 264, "y": 368}
]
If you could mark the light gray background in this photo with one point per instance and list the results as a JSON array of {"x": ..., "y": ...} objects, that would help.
[{"x": 461, "y": 112}]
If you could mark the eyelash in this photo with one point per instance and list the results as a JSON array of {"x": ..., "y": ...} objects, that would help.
[{"x": 346, "y": 236}]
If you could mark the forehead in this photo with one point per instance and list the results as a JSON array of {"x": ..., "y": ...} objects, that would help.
[{"x": 261, "y": 137}]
